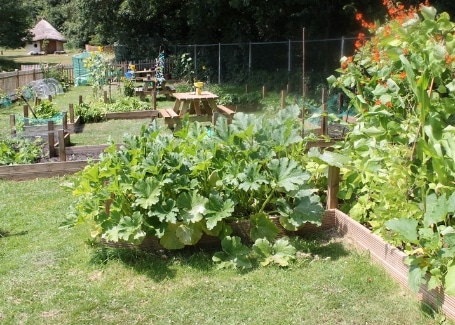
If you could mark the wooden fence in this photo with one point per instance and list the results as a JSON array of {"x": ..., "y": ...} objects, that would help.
[{"x": 10, "y": 81}]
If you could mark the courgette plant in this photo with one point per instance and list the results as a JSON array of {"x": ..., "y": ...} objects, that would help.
[{"x": 179, "y": 186}]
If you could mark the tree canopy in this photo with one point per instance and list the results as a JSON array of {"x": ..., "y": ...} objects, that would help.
[{"x": 15, "y": 23}]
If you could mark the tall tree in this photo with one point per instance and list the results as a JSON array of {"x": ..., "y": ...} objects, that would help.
[{"x": 15, "y": 25}]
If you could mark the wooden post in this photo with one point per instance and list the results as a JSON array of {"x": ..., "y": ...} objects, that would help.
[
  {"x": 333, "y": 180},
  {"x": 17, "y": 78},
  {"x": 154, "y": 99},
  {"x": 264, "y": 92},
  {"x": 288, "y": 88},
  {"x": 246, "y": 89},
  {"x": 64, "y": 121},
  {"x": 51, "y": 143},
  {"x": 25, "y": 108},
  {"x": 71, "y": 109},
  {"x": 324, "y": 112},
  {"x": 80, "y": 99},
  {"x": 105, "y": 97},
  {"x": 283, "y": 98},
  {"x": 50, "y": 138},
  {"x": 12, "y": 123},
  {"x": 49, "y": 98},
  {"x": 61, "y": 145}
]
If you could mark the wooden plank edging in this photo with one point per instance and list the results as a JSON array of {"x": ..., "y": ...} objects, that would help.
[{"x": 40, "y": 170}]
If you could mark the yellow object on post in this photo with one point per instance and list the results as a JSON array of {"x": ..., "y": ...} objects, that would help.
[{"x": 198, "y": 86}]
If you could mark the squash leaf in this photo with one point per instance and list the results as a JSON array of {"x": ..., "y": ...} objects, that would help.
[
  {"x": 147, "y": 192},
  {"x": 287, "y": 173},
  {"x": 279, "y": 253},
  {"x": 233, "y": 255}
]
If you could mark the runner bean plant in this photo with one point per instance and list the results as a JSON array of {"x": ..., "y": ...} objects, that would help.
[{"x": 401, "y": 177}]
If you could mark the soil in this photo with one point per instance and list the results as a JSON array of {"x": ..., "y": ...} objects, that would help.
[{"x": 73, "y": 157}]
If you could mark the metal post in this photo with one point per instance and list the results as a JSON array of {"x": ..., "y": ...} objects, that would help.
[
  {"x": 303, "y": 63},
  {"x": 219, "y": 63},
  {"x": 249, "y": 59},
  {"x": 289, "y": 56},
  {"x": 342, "y": 47}
]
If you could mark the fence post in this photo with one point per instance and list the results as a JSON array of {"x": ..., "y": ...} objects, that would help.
[
  {"x": 105, "y": 97},
  {"x": 324, "y": 112},
  {"x": 71, "y": 109},
  {"x": 61, "y": 145},
  {"x": 50, "y": 138},
  {"x": 64, "y": 121},
  {"x": 154, "y": 99},
  {"x": 25, "y": 108},
  {"x": 283, "y": 98},
  {"x": 333, "y": 180},
  {"x": 80, "y": 99},
  {"x": 12, "y": 123},
  {"x": 49, "y": 98},
  {"x": 264, "y": 92},
  {"x": 17, "y": 78}
]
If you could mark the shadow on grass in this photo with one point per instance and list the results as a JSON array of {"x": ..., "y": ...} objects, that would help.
[
  {"x": 4, "y": 233},
  {"x": 159, "y": 265}
]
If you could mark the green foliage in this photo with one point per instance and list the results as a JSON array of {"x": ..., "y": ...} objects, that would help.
[
  {"x": 90, "y": 113},
  {"x": 180, "y": 186},
  {"x": 19, "y": 150},
  {"x": 95, "y": 111},
  {"x": 128, "y": 87},
  {"x": 402, "y": 155},
  {"x": 98, "y": 66},
  {"x": 46, "y": 109}
]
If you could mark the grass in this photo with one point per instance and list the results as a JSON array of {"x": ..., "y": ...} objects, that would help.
[
  {"x": 52, "y": 275},
  {"x": 97, "y": 133},
  {"x": 13, "y": 59}
]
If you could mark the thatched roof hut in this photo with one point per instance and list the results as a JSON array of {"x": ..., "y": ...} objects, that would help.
[{"x": 46, "y": 39}]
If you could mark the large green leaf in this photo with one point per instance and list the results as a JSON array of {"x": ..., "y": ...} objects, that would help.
[
  {"x": 167, "y": 211},
  {"x": 189, "y": 234},
  {"x": 405, "y": 228},
  {"x": 449, "y": 280},
  {"x": 416, "y": 276},
  {"x": 279, "y": 253},
  {"x": 252, "y": 178},
  {"x": 436, "y": 209},
  {"x": 217, "y": 210},
  {"x": 329, "y": 157},
  {"x": 263, "y": 227},
  {"x": 287, "y": 173},
  {"x": 234, "y": 254},
  {"x": 128, "y": 229},
  {"x": 305, "y": 208},
  {"x": 147, "y": 192},
  {"x": 192, "y": 206},
  {"x": 169, "y": 239}
]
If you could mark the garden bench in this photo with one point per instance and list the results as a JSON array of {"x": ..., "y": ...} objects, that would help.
[
  {"x": 170, "y": 117},
  {"x": 227, "y": 112}
]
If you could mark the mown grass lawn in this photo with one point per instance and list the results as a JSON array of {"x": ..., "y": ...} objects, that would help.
[{"x": 52, "y": 275}]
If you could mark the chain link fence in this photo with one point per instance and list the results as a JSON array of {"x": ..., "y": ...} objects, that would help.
[{"x": 273, "y": 64}]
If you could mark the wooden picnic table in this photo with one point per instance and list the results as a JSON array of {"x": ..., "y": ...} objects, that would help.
[{"x": 201, "y": 107}]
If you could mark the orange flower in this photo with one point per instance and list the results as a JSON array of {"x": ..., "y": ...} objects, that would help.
[
  {"x": 405, "y": 51},
  {"x": 388, "y": 104},
  {"x": 402, "y": 75},
  {"x": 377, "y": 102}
]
